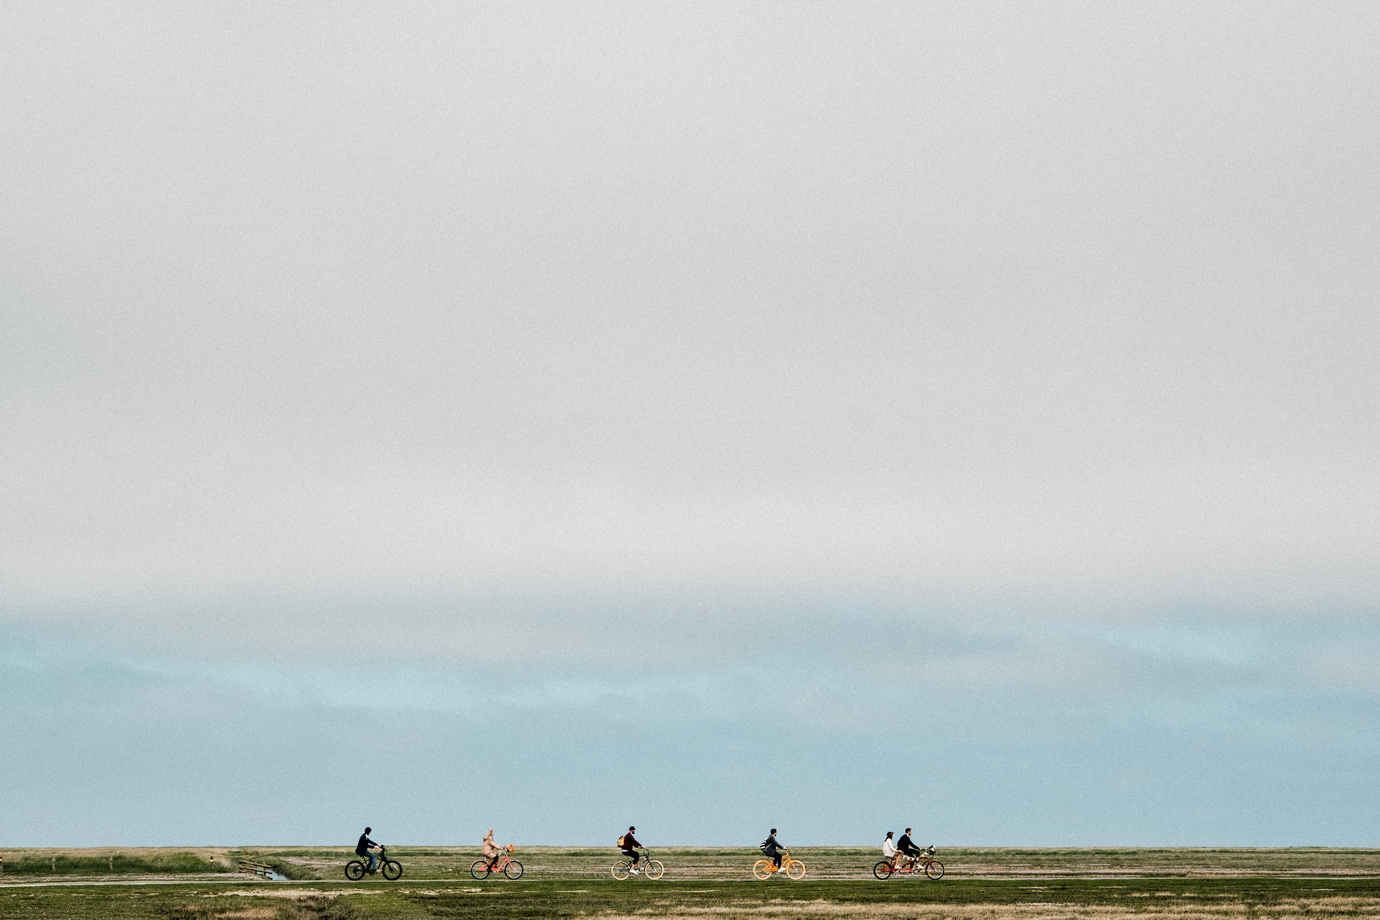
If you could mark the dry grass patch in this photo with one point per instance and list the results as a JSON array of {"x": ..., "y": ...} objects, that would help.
[
  {"x": 313, "y": 906},
  {"x": 1293, "y": 909}
]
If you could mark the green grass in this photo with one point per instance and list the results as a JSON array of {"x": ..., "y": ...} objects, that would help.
[
  {"x": 713, "y": 884},
  {"x": 1199, "y": 898},
  {"x": 724, "y": 863}
]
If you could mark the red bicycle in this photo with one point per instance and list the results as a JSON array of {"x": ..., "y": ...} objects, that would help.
[{"x": 925, "y": 863}]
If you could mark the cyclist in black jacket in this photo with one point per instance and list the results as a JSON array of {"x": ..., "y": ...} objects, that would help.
[
  {"x": 362, "y": 848},
  {"x": 630, "y": 846},
  {"x": 907, "y": 846},
  {"x": 772, "y": 849}
]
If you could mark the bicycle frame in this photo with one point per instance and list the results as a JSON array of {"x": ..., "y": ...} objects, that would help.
[
  {"x": 357, "y": 868},
  {"x": 910, "y": 863},
  {"x": 500, "y": 865},
  {"x": 922, "y": 864},
  {"x": 765, "y": 868},
  {"x": 647, "y": 867}
]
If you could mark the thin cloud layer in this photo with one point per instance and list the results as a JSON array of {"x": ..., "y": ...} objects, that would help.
[{"x": 1016, "y": 730}]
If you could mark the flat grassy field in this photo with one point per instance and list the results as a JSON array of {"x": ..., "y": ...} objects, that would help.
[
  {"x": 734, "y": 863},
  {"x": 709, "y": 883}
]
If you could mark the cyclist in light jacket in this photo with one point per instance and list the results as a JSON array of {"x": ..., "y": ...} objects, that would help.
[
  {"x": 889, "y": 850},
  {"x": 491, "y": 849}
]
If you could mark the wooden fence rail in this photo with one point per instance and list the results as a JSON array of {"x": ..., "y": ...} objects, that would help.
[{"x": 258, "y": 868}]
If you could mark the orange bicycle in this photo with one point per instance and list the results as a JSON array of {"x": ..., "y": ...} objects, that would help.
[
  {"x": 510, "y": 867},
  {"x": 765, "y": 868}
]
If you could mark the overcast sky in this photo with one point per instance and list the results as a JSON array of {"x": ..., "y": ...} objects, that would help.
[{"x": 695, "y": 416}]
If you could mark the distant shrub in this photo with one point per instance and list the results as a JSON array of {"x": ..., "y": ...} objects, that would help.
[{"x": 115, "y": 864}]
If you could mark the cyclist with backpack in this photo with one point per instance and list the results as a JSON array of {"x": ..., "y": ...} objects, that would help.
[
  {"x": 628, "y": 844},
  {"x": 771, "y": 848}
]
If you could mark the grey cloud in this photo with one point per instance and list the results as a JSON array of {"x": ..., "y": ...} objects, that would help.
[{"x": 1004, "y": 301}]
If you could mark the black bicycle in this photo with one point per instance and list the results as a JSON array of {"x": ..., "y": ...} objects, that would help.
[{"x": 356, "y": 869}]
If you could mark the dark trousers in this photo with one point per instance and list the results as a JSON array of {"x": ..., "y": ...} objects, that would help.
[
  {"x": 774, "y": 856},
  {"x": 633, "y": 855}
]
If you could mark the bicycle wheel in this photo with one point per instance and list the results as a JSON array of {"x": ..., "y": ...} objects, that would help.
[
  {"x": 513, "y": 869},
  {"x": 934, "y": 869},
  {"x": 392, "y": 870},
  {"x": 883, "y": 869},
  {"x": 620, "y": 869},
  {"x": 354, "y": 870},
  {"x": 761, "y": 869},
  {"x": 653, "y": 869},
  {"x": 796, "y": 869},
  {"x": 480, "y": 868}
]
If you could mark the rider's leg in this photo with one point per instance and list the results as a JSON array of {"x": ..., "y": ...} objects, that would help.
[
  {"x": 371, "y": 862},
  {"x": 776, "y": 858}
]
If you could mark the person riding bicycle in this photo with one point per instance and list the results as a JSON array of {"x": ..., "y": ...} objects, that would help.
[
  {"x": 772, "y": 849},
  {"x": 906, "y": 846},
  {"x": 491, "y": 850},
  {"x": 628, "y": 844},
  {"x": 365, "y": 844},
  {"x": 889, "y": 850}
]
